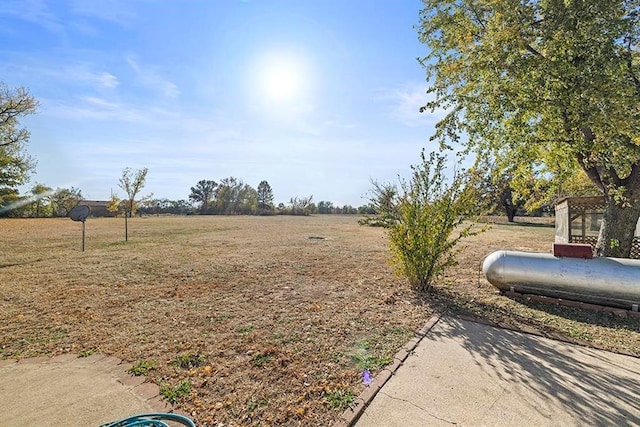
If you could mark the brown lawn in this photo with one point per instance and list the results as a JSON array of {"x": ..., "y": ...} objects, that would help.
[{"x": 271, "y": 320}]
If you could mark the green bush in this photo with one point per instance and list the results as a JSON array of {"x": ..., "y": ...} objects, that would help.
[{"x": 430, "y": 212}]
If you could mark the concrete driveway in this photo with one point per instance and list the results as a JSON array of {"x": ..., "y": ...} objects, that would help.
[{"x": 471, "y": 374}]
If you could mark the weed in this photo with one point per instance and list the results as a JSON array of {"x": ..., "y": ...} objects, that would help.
[
  {"x": 55, "y": 334},
  {"x": 395, "y": 330},
  {"x": 372, "y": 362},
  {"x": 142, "y": 367},
  {"x": 87, "y": 353},
  {"x": 189, "y": 360},
  {"x": 364, "y": 345},
  {"x": 579, "y": 334},
  {"x": 262, "y": 359},
  {"x": 221, "y": 317},
  {"x": 614, "y": 244},
  {"x": 335, "y": 357},
  {"x": 365, "y": 360},
  {"x": 175, "y": 394},
  {"x": 253, "y": 404},
  {"x": 340, "y": 398},
  {"x": 244, "y": 330}
]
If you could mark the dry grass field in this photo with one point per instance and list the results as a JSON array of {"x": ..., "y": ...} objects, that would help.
[{"x": 251, "y": 320}]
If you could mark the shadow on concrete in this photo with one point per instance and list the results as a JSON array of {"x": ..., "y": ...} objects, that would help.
[{"x": 594, "y": 387}]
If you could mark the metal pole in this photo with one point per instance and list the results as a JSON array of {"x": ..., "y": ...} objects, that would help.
[
  {"x": 126, "y": 230},
  {"x": 82, "y": 236}
]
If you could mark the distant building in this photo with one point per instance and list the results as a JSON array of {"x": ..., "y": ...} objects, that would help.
[{"x": 98, "y": 208}]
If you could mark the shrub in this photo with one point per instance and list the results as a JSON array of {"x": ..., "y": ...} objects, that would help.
[{"x": 429, "y": 213}]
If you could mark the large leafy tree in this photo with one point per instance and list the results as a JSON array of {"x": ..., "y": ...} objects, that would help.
[
  {"x": 265, "y": 197},
  {"x": 325, "y": 207},
  {"x": 11, "y": 204},
  {"x": 41, "y": 196},
  {"x": 248, "y": 200},
  {"x": 502, "y": 196},
  {"x": 65, "y": 199},
  {"x": 233, "y": 196},
  {"x": 497, "y": 191},
  {"x": 15, "y": 163},
  {"x": 203, "y": 193},
  {"x": 554, "y": 85}
]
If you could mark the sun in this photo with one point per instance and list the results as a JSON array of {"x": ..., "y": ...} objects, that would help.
[{"x": 282, "y": 79}]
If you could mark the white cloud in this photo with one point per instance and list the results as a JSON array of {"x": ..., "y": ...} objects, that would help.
[
  {"x": 118, "y": 12},
  {"x": 45, "y": 71},
  {"x": 150, "y": 77},
  {"x": 337, "y": 122},
  {"x": 91, "y": 107},
  {"x": 107, "y": 80},
  {"x": 34, "y": 11},
  {"x": 84, "y": 73},
  {"x": 84, "y": 28},
  {"x": 153, "y": 118},
  {"x": 405, "y": 103}
]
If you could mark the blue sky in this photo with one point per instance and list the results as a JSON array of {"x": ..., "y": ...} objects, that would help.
[{"x": 316, "y": 97}]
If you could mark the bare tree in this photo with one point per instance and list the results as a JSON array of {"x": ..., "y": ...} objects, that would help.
[{"x": 132, "y": 182}]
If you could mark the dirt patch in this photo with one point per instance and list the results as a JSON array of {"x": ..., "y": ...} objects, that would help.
[{"x": 267, "y": 324}]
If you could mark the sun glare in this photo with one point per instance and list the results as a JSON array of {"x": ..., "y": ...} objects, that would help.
[{"x": 282, "y": 79}]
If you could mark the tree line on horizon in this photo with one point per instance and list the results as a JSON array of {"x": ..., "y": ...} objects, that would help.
[{"x": 231, "y": 196}]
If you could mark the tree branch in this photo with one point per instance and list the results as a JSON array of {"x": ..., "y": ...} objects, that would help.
[
  {"x": 11, "y": 141},
  {"x": 478, "y": 18},
  {"x": 633, "y": 180},
  {"x": 591, "y": 171},
  {"x": 533, "y": 51},
  {"x": 629, "y": 58}
]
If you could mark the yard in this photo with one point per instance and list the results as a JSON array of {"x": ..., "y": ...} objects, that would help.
[{"x": 251, "y": 320}]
